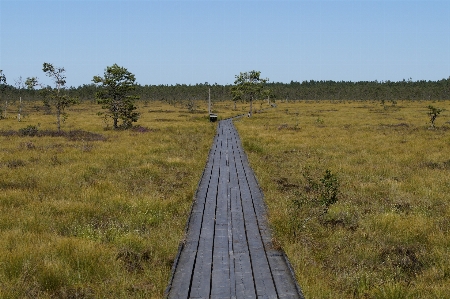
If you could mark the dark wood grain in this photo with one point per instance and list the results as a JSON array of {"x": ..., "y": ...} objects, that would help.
[{"x": 227, "y": 252}]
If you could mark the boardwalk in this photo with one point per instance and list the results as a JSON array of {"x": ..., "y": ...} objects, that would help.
[{"x": 228, "y": 251}]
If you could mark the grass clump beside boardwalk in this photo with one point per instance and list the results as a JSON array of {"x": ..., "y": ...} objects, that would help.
[
  {"x": 94, "y": 213},
  {"x": 358, "y": 195}
]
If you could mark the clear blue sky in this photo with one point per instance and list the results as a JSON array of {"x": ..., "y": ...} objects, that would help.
[{"x": 189, "y": 42}]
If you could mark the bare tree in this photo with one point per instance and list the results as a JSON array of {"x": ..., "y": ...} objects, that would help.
[
  {"x": 19, "y": 85},
  {"x": 2, "y": 88}
]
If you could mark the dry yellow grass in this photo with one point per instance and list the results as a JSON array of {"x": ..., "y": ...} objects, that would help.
[
  {"x": 387, "y": 236},
  {"x": 87, "y": 218}
]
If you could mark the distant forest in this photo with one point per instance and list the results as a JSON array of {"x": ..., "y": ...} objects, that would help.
[{"x": 307, "y": 90}]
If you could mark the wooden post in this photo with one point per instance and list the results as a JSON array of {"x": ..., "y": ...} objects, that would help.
[
  {"x": 209, "y": 100},
  {"x": 20, "y": 108}
]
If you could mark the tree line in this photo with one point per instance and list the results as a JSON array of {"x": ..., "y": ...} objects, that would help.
[
  {"x": 117, "y": 91},
  {"x": 364, "y": 90},
  {"x": 306, "y": 90}
]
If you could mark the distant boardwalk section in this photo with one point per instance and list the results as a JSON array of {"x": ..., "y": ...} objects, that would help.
[{"x": 228, "y": 251}]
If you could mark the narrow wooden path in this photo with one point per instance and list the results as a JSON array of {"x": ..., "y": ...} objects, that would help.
[{"x": 228, "y": 251}]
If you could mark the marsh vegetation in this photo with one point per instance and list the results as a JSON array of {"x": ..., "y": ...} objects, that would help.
[
  {"x": 357, "y": 192},
  {"x": 94, "y": 213},
  {"x": 386, "y": 232}
]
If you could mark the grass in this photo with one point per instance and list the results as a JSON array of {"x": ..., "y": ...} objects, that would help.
[
  {"x": 98, "y": 214},
  {"x": 387, "y": 235},
  {"x": 94, "y": 213}
]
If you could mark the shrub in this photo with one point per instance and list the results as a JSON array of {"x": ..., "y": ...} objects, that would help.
[
  {"x": 433, "y": 113},
  {"x": 30, "y": 130},
  {"x": 15, "y": 163},
  {"x": 328, "y": 189},
  {"x": 323, "y": 191},
  {"x": 313, "y": 200}
]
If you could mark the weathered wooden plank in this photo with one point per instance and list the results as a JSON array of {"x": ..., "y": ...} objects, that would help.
[
  {"x": 221, "y": 284},
  {"x": 182, "y": 279},
  {"x": 243, "y": 268},
  {"x": 284, "y": 282},
  {"x": 245, "y": 287},
  {"x": 201, "y": 279},
  {"x": 193, "y": 234},
  {"x": 230, "y": 248}
]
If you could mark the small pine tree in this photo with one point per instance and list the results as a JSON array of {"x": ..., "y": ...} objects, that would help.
[
  {"x": 433, "y": 113},
  {"x": 116, "y": 95},
  {"x": 248, "y": 87}
]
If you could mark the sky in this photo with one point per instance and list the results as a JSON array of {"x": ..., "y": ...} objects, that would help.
[{"x": 189, "y": 42}]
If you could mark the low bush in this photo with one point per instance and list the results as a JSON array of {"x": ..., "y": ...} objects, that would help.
[
  {"x": 73, "y": 135},
  {"x": 30, "y": 130}
]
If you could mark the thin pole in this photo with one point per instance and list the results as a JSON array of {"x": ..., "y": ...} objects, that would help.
[
  {"x": 209, "y": 100},
  {"x": 20, "y": 107}
]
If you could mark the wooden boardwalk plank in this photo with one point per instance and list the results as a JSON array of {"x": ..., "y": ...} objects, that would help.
[{"x": 228, "y": 251}]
